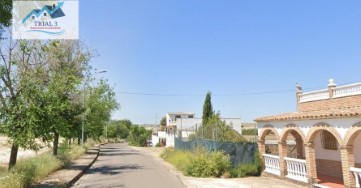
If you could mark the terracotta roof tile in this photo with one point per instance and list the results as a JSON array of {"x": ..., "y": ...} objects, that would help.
[{"x": 317, "y": 114}]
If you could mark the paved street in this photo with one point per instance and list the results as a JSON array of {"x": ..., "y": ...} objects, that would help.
[{"x": 121, "y": 166}]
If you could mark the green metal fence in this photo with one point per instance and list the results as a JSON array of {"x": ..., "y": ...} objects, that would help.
[{"x": 238, "y": 152}]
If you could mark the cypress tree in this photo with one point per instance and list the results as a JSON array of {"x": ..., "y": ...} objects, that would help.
[{"x": 207, "y": 109}]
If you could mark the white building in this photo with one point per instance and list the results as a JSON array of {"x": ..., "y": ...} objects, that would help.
[
  {"x": 326, "y": 129},
  {"x": 183, "y": 124}
]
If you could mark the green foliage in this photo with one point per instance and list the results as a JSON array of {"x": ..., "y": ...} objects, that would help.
[
  {"x": 35, "y": 169},
  {"x": 119, "y": 129},
  {"x": 208, "y": 164},
  {"x": 163, "y": 123},
  {"x": 207, "y": 109},
  {"x": 138, "y": 136},
  {"x": 158, "y": 145},
  {"x": 30, "y": 170},
  {"x": 100, "y": 103},
  {"x": 218, "y": 130},
  {"x": 198, "y": 163},
  {"x": 249, "y": 169},
  {"x": 5, "y": 13},
  {"x": 249, "y": 132}
]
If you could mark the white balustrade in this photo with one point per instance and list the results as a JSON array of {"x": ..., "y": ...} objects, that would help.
[
  {"x": 315, "y": 95},
  {"x": 272, "y": 164},
  {"x": 347, "y": 90},
  {"x": 357, "y": 173},
  {"x": 296, "y": 169}
]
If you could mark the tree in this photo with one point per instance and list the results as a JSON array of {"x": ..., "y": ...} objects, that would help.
[
  {"x": 100, "y": 102},
  {"x": 61, "y": 75},
  {"x": 207, "y": 109},
  {"x": 18, "y": 111},
  {"x": 163, "y": 123},
  {"x": 217, "y": 129},
  {"x": 5, "y": 13}
]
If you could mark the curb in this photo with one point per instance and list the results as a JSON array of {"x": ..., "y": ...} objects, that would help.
[{"x": 81, "y": 173}]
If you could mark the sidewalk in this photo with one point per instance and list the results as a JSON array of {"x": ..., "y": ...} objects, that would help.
[{"x": 68, "y": 176}]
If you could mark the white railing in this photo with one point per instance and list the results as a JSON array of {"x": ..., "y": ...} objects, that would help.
[
  {"x": 272, "y": 164},
  {"x": 296, "y": 169},
  {"x": 357, "y": 173},
  {"x": 347, "y": 90},
  {"x": 315, "y": 95}
]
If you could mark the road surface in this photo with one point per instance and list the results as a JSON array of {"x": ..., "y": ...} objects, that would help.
[{"x": 121, "y": 166}]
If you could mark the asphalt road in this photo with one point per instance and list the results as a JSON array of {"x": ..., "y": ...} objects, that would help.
[{"x": 121, "y": 166}]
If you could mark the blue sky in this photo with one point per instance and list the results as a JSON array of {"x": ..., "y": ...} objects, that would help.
[{"x": 189, "y": 47}]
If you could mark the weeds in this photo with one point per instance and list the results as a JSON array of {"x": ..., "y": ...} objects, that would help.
[{"x": 201, "y": 163}]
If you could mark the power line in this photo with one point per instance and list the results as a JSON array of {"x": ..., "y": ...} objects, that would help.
[{"x": 216, "y": 95}]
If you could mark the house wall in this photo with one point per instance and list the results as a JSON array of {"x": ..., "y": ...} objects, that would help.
[
  {"x": 171, "y": 120},
  {"x": 329, "y": 103},
  {"x": 357, "y": 150},
  {"x": 327, "y": 154},
  {"x": 155, "y": 140}
]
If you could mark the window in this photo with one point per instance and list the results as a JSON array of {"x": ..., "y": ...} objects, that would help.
[
  {"x": 177, "y": 116},
  {"x": 328, "y": 141},
  {"x": 33, "y": 17},
  {"x": 44, "y": 13},
  {"x": 190, "y": 116}
]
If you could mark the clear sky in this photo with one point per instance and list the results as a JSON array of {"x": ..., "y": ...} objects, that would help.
[{"x": 188, "y": 47}]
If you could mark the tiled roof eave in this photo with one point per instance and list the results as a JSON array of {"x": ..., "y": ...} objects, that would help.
[{"x": 308, "y": 117}]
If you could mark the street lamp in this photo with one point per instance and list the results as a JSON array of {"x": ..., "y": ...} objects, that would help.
[{"x": 84, "y": 106}]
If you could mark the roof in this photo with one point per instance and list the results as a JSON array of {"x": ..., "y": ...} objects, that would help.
[
  {"x": 344, "y": 112},
  {"x": 180, "y": 113}
]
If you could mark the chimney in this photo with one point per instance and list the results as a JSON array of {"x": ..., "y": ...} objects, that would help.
[
  {"x": 298, "y": 92},
  {"x": 331, "y": 87}
]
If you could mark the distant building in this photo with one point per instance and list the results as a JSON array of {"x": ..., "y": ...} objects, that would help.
[{"x": 184, "y": 124}]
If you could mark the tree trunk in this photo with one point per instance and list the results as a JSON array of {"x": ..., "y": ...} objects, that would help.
[
  {"x": 13, "y": 155},
  {"x": 56, "y": 143},
  {"x": 79, "y": 140},
  {"x": 69, "y": 143}
]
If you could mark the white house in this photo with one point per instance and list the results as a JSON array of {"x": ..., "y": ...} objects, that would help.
[
  {"x": 326, "y": 129},
  {"x": 183, "y": 124}
]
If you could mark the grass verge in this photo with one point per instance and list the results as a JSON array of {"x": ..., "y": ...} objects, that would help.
[{"x": 35, "y": 169}]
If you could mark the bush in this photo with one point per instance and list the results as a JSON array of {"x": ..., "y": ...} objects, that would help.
[
  {"x": 249, "y": 132},
  {"x": 198, "y": 163},
  {"x": 158, "y": 145},
  {"x": 208, "y": 164},
  {"x": 249, "y": 169}
]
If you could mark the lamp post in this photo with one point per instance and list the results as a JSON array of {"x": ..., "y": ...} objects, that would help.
[{"x": 84, "y": 106}]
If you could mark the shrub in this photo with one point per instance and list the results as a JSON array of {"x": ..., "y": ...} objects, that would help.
[
  {"x": 208, "y": 164},
  {"x": 198, "y": 163},
  {"x": 158, "y": 145},
  {"x": 249, "y": 132},
  {"x": 249, "y": 169}
]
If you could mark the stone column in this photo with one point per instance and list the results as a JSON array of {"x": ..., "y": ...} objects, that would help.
[
  {"x": 262, "y": 150},
  {"x": 311, "y": 163},
  {"x": 348, "y": 161}
]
